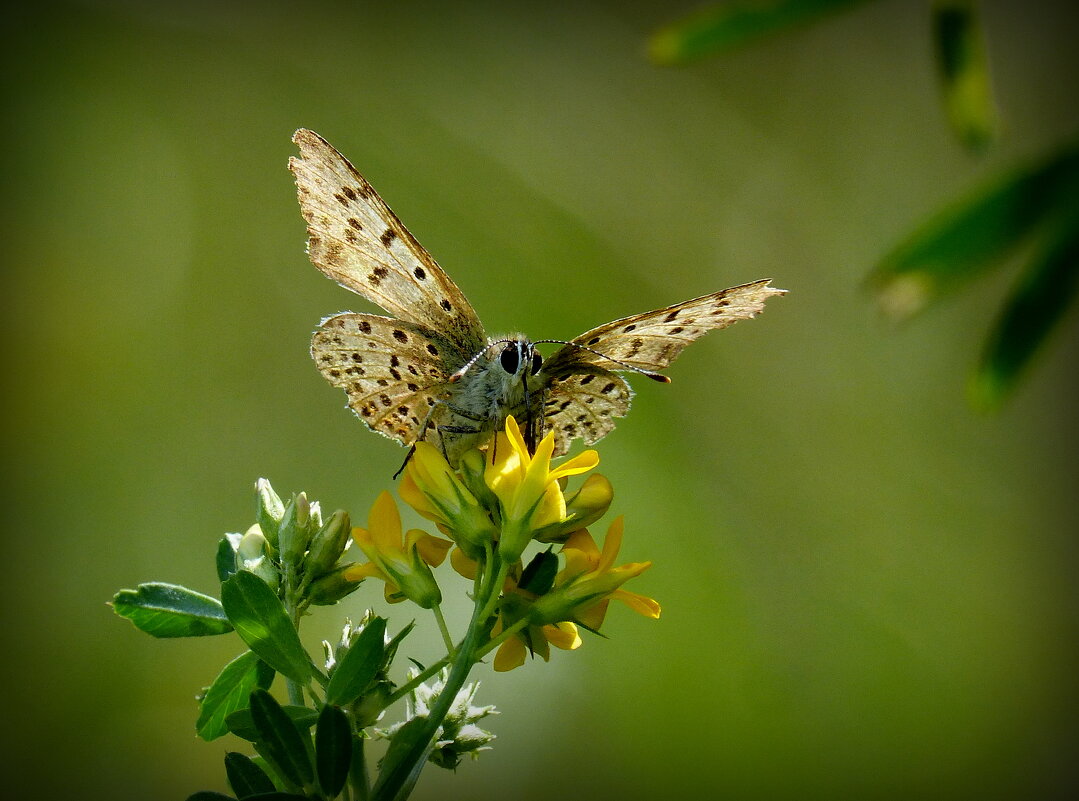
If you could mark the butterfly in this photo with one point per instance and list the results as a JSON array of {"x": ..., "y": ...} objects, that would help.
[{"x": 430, "y": 371}]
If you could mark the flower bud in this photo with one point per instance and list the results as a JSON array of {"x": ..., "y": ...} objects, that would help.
[
  {"x": 328, "y": 545},
  {"x": 268, "y": 510},
  {"x": 295, "y": 530},
  {"x": 252, "y": 556},
  {"x": 331, "y": 587}
]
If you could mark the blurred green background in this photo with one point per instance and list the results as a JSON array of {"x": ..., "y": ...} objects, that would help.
[{"x": 868, "y": 590}]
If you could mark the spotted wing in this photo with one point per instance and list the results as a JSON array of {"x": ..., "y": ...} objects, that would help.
[
  {"x": 585, "y": 406},
  {"x": 356, "y": 240},
  {"x": 652, "y": 340},
  {"x": 394, "y": 372}
]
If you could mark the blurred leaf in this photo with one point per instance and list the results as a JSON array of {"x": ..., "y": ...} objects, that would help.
[
  {"x": 262, "y": 622},
  {"x": 209, "y": 795},
  {"x": 226, "y": 556},
  {"x": 719, "y": 28},
  {"x": 1044, "y": 295},
  {"x": 360, "y": 665},
  {"x": 333, "y": 749},
  {"x": 229, "y": 692},
  {"x": 967, "y": 239},
  {"x": 280, "y": 741},
  {"x": 168, "y": 610},
  {"x": 964, "y": 72},
  {"x": 242, "y": 725},
  {"x": 277, "y": 795},
  {"x": 245, "y": 777}
]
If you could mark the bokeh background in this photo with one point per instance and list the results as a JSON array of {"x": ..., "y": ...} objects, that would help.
[{"x": 868, "y": 589}]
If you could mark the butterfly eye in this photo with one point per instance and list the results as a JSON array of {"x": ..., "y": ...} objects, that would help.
[
  {"x": 510, "y": 358},
  {"x": 537, "y": 362}
]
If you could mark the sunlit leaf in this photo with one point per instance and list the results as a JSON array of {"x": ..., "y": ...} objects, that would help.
[
  {"x": 964, "y": 72},
  {"x": 225, "y": 560},
  {"x": 168, "y": 610},
  {"x": 360, "y": 664},
  {"x": 1046, "y": 292},
  {"x": 726, "y": 26},
  {"x": 262, "y": 622},
  {"x": 974, "y": 235},
  {"x": 229, "y": 692}
]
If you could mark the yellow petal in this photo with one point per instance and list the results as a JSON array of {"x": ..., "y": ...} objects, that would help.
[
  {"x": 638, "y": 603},
  {"x": 432, "y": 550},
  {"x": 563, "y": 635},
  {"x": 384, "y": 523},
  {"x": 581, "y": 463},
  {"x": 510, "y": 654},
  {"x": 611, "y": 543},
  {"x": 593, "y": 616},
  {"x": 366, "y": 570},
  {"x": 462, "y": 564}
]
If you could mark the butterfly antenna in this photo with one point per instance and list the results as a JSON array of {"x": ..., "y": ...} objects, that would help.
[
  {"x": 453, "y": 379},
  {"x": 654, "y": 376}
]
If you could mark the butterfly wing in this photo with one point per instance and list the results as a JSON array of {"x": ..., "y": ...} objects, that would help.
[
  {"x": 584, "y": 395},
  {"x": 585, "y": 406},
  {"x": 355, "y": 239},
  {"x": 394, "y": 372}
]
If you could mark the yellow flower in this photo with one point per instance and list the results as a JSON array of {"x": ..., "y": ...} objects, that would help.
[
  {"x": 585, "y": 586},
  {"x": 526, "y": 486},
  {"x": 399, "y": 560},
  {"x": 431, "y": 487}
]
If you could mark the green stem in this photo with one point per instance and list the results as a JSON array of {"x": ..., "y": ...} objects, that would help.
[
  {"x": 412, "y": 684},
  {"x": 446, "y": 638},
  {"x": 401, "y": 773}
]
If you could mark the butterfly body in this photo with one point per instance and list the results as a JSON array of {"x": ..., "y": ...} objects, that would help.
[{"x": 430, "y": 371}]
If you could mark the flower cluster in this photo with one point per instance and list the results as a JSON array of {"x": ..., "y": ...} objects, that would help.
[{"x": 491, "y": 508}]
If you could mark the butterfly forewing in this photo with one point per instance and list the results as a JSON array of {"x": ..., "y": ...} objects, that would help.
[
  {"x": 652, "y": 340},
  {"x": 355, "y": 239},
  {"x": 394, "y": 372}
]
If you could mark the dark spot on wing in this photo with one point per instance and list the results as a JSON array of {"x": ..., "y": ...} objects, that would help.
[
  {"x": 382, "y": 382},
  {"x": 673, "y": 315},
  {"x": 592, "y": 341},
  {"x": 607, "y": 389},
  {"x": 335, "y": 373},
  {"x": 629, "y": 328},
  {"x": 394, "y": 361},
  {"x": 446, "y": 306},
  {"x": 350, "y": 236},
  {"x": 432, "y": 349},
  {"x": 333, "y": 252},
  {"x": 412, "y": 387},
  {"x": 365, "y": 327},
  {"x": 355, "y": 223},
  {"x": 341, "y": 199},
  {"x": 587, "y": 379},
  {"x": 396, "y": 375},
  {"x": 388, "y": 236},
  {"x": 419, "y": 273},
  {"x": 350, "y": 193},
  {"x": 385, "y": 400},
  {"x": 677, "y": 329},
  {"x": 400, "y": 335},
  {"x": 403, "y": 411},
  {"x": 412, "y": 369},
  {"x": 357, "y": 358}
]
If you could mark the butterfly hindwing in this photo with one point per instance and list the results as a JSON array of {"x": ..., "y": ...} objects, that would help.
[
  {"x": 585, "y": 406},
  {"x": 355, "y": 239},
  {"x": 393, "y": 372},
  {"x": 652, "y": 340}
]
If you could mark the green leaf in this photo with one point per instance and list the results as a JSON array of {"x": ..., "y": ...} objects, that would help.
[
  {"x": 967, "y": 239},
  {"x": 262, "y": 623},
  {"x": 168, "y": 610},
  {"x": 964, "y": 72},
  {"x": 226, "y": 556},
  {"x": 229, "y": 692},
  {"x": 405, "y": 758},
  {"x": 1046, "y": 291},
  {"x": 245, "y": 777},
  {"x": 360, "y": 665},
  {"x": 242, "y": 725},
  {"x": 719, "y": 28},
  {"x": 280, "y": 741},
  {"x": 333, "y": 749}
]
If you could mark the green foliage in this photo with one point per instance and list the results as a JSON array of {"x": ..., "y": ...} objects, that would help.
[
  {"x": 719, "y": 28},
  {"x": 333, "y": 749},
  {"x": 245, "y": 777},
  {"x": 360, "y": 665},
  {"x": 281, "y": 742},
  {"x": 242, "y": 725},
  {"x": 229, "y": 692},
  {"x": 964, "y": 72},
  {"x": 262, "y": 622},
  {"x": 1035, "y": 203},
  {"x": 168, "y": 610}
]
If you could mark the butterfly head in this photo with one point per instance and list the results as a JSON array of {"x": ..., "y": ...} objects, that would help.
[{"x": 519, "y": 355}]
